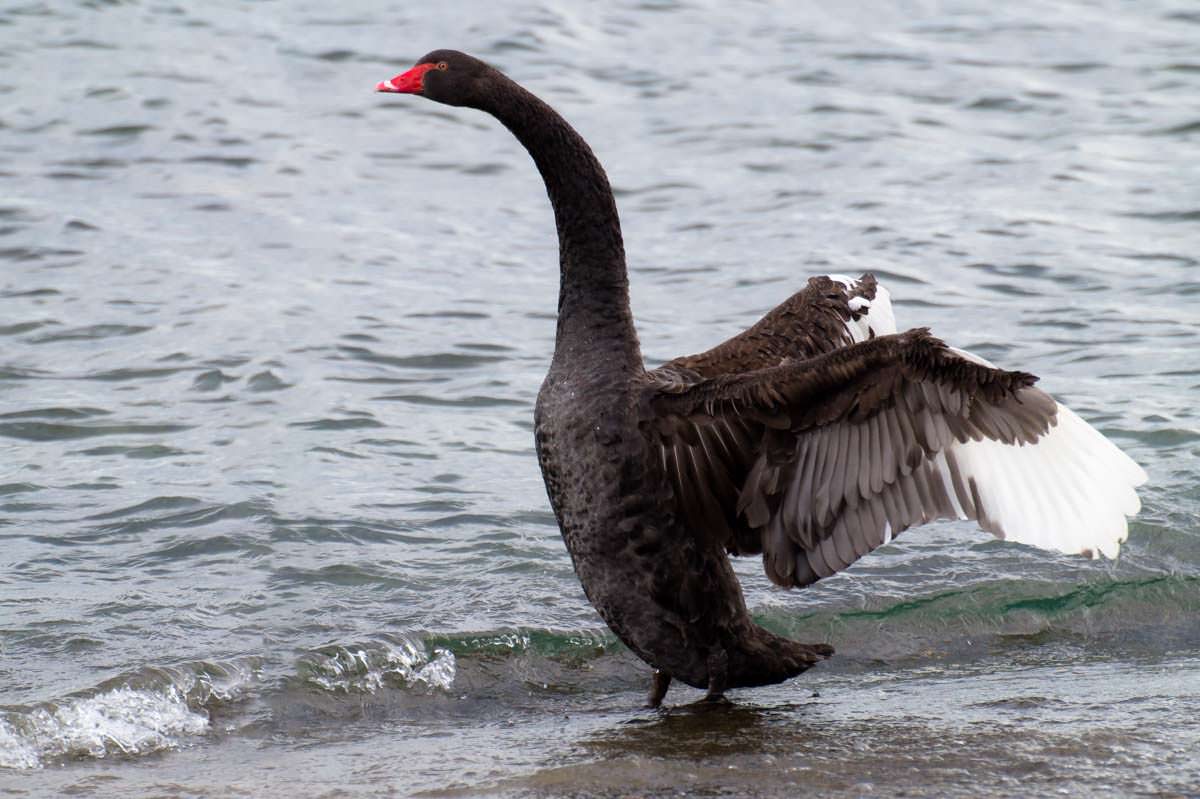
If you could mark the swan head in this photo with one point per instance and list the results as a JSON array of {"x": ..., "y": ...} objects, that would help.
[{"x": 445, "y": 76}]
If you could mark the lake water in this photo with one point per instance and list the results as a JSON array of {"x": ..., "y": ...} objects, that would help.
[{"x": 271, "y": 522}]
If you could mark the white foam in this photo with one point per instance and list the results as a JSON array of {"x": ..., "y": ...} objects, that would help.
[
  {"x": 123, "y": 720},
  {"x": 16, "y": 750},
  {"x": 150, "y": 710},
  {"x": 366, "y": 669}
]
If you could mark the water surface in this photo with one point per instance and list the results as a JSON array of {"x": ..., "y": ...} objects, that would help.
[{"x": 270, "y": 518}]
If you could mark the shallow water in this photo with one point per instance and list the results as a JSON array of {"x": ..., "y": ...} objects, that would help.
[{"x": 270, "y": 518}]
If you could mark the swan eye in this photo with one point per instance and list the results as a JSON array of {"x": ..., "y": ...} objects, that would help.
[{"x": 443, "y": 66}]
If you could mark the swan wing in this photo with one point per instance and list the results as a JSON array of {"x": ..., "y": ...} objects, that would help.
[
  {"x": 816, "y": 462},
  {"x": 828, "y": 313}
]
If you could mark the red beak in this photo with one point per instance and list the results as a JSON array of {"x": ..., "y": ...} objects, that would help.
[{"x": 411, "y": 82}]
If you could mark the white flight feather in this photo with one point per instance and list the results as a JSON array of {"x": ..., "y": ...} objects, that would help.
[{"x": 1070, "y": 491}]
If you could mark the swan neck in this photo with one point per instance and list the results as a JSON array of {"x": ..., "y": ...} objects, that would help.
[{"x": 593, "y": 300}]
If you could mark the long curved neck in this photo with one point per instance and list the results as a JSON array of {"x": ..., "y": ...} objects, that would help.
[{"x": 594, "y": 320}]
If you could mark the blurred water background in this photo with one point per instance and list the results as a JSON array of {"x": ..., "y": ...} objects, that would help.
[{"x": 270, "y": 518}]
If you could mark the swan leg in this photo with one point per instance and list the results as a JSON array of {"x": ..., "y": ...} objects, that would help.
[
  {"x": 718, "y": 676},
  {"x": 660, "y": 681}
]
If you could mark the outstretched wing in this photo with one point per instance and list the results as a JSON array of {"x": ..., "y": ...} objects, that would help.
[
  {"x": 708, "y": 463},
  {"x": 828, "y": 313},
  {"x": 831, "y": 456}
]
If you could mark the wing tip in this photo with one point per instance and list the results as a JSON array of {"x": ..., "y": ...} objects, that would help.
[{"x": 1072, "y": 492}]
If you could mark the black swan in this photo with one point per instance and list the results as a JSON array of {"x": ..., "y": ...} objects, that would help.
[{"x": 813, "y": 437}]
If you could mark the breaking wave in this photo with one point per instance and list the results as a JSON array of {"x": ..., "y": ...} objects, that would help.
[
  {"x": 161, "y": 708},
  {"x": 148, "y": 711}
]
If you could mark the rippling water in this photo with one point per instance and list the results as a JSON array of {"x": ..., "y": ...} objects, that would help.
[{"x": 270, "y": 518}]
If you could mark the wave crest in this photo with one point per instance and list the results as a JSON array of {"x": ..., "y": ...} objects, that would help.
[
  {"x": 366, "y": 668},
  {"x": 147, "y": 711}
]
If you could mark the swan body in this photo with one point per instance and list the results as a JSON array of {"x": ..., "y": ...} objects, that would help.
[{"x": 813, "y": 437}]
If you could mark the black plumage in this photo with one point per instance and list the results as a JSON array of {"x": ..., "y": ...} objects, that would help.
[{"x": 791, "y": 439}]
